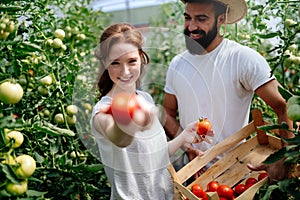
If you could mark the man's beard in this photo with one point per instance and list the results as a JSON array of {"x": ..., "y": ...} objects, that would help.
[{"x": 198, "y": 46}]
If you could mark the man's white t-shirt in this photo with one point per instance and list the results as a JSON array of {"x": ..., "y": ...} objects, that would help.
[
  {"x": 138, "y": 171},
  {"x": 218, "y": 85}
]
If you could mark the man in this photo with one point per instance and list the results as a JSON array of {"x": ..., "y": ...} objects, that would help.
[{"x": 216, "y": 77}]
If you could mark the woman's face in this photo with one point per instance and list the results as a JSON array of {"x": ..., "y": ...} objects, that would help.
[{"x": 124, "y": 66}]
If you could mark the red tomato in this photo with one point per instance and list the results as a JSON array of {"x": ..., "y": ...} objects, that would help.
[
  {"x": 226, "y": 192},
  {"x": 239, "y": 189},
  {"x": 203, "y": 126},
  {"x": 197, "y": 190},
  {"x": 204, "y": 196},
  {"x": 123, "y": 107},
  {"x": 212, "y": 186},
  {"x": 248, "y": 185},
  {"x": 262, "y": 175},
  {"x": 222, "y": 198},
  {"x": 251, "y": 180}
]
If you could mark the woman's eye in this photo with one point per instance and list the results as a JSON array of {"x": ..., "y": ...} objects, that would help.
[
  {"x": 114, "y": 63},
  {"x": 133, "y": 61}
]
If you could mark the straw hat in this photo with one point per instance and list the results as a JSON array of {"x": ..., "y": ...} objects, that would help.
[{"x": 237, "y": 9}]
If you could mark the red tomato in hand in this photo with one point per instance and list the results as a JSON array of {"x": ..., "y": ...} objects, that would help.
[
  {"x": 203, "y": 126},
  {"x": 251, "y": 180},
  {"x": 212, "y": 186},
  {"x": 262, "y": 175},
  {"x": 197, "y": 190},
  {"x": 123, "y": 107},
  {"x": 226, "y": 192},
  {"x": 239, "y": 189}
]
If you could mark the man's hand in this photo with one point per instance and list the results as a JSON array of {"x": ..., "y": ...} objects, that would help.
[{"x": 276, "y": 171}]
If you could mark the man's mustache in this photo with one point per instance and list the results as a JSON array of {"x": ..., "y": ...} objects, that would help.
[{"x": 188, "y": 33}]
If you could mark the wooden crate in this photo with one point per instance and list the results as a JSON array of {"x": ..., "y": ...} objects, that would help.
[{"x": 231, "y": 169}]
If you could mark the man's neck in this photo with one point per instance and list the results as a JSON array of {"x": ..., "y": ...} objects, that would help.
[{"x": 214, "y": 44}]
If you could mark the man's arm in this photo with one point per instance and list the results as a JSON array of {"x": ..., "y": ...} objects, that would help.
[
  {"x": 270, "y": 94},
  {"x": 171, "y": 125}
]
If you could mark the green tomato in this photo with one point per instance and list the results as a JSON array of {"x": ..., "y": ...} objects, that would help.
[
  {"x": 27, "y": 166},
  {"x": 72, "y": 109},
  {"x": 57, "y": 43},
  {"x": 47, "y": 80},
  {"x": 17, "y": 189},
  {"x": 293, "y": 112},
  {"x": 59, "y": 118},
  {"x": 43, "y": 90},
  {"x": 11, "y": 93},
  {"x": 293, "y": 100},
  {"x": 88, "y": 106},
  {"x": 71, "y": 120},
  {"x": 59, "y": 33},
  {"x": 17, "y": 138}
]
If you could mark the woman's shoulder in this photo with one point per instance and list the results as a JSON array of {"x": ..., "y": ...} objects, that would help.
[{"x": 146, "y": 95}]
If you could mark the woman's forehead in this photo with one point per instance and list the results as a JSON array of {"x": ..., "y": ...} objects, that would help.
[{"x": 120, "y": 49}]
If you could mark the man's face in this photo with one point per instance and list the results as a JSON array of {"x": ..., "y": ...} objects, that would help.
[{"x": 200, "y": 26}]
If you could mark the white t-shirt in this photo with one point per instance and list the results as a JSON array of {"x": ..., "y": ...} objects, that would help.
[
  {"x": 138, "y": 171},
  {"x": 218, "y": 85}
]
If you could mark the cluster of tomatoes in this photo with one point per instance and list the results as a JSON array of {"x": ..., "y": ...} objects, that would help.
[
  {"x": 7, "y": 26},
  {"x": 224, "y": 191},
  {"x": 21, "y": 166}
]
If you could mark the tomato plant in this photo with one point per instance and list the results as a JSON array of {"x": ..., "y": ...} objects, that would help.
[{"x": 203, "y": 126}]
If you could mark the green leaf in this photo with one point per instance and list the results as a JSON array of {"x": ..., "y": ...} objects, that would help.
[
  {"x": 276, "y": 156},
  {"x": 267, "y": 36},
  {"x": 34, "y": 193},
  {"x": 284, "y": 93}
]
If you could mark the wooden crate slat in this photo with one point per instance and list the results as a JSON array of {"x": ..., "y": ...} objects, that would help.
[{"x": 197, "y": 163}]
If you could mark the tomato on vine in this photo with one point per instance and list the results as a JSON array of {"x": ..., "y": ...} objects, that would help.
[
  {"x": 17, "y": 189},
  {"x": 27, "y": 166},
  {"x": 15, "y": 137},
  {"x": 11, "y": 93}
]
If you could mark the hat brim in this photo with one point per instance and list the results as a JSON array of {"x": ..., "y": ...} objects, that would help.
[{"x": 237, "y": 9}]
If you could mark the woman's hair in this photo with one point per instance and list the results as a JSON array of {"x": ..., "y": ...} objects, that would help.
[{"x": 117, "y": 33}]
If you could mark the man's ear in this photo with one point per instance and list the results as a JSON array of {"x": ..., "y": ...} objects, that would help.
[{"x": 222, "y": 19}]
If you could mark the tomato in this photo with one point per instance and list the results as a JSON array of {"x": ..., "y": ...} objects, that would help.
[
  {"x": 57, "y": 43},
  {"x": 11, "y": 93},
  {"x": 239, "y": 189},
  {"x": 203, "y": 126},
  {"x": 249, "y": 185},
  {"x": 262, "y": 175},
  {"x": 59, "y": 33},
  {"x": 8, "y": 160},
  {"x": 47, "y": 80},
  {"x": 71, "y": 120},
  {"x": 72, "y": 110},
  {"x": 212, "y": 186},
  {"x": 293, "y": 112},
  {"x": 43, "y": 90},
  {"x": 123, "y": 107},
  {"x": 251, "y": 180},
  {"x": 27, "y": 166},
  {"x": 197, "y": 190},
  {"x": 226, "y": 192},
  {"x": 16, "y": 137},
  {"x": 17, "y": 189},
  {"x": 88, "y": 106},
  {"x": 59, "y": 118}
]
